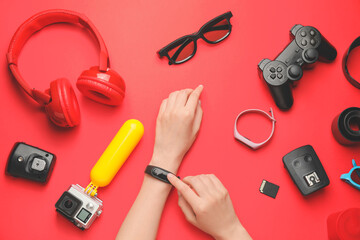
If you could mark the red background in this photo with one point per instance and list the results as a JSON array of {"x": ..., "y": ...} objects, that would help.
[{"x": 133, "y": 31}]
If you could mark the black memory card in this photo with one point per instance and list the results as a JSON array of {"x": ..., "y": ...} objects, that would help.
[{"x": 269, "y": 189}]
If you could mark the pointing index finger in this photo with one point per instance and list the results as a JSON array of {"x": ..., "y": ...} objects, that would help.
[
  {"x": 184, "y": 189},
  {"x": 193, "y": 100}
]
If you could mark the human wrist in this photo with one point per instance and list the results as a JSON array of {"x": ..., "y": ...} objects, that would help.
[
  {"x": 156, "y": 184},
  {"x": 166, "y": 161},
  {"x": 235, "y": 231}
]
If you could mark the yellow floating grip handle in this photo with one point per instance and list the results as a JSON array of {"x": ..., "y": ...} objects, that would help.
[{"x": 116, "y": 153}]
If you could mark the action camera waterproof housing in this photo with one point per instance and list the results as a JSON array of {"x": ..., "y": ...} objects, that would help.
[
  {"x": 30, "y": 162},
  {"x": 79, "y": 207}
]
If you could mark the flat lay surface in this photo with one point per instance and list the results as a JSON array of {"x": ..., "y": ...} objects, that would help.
[{"x": 133, "y": 32}]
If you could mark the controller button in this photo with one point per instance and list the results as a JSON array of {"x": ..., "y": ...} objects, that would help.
[
  {"x": 38, "y": 164},
  {"x": 272, "y": 69},
  {"x": 311, "y": 55},
  {"x": 303, "y": 42},
  {"x": 273, "y": 76},
  {"x": 312, "y": 32},
  {"x": 90, "y": 206},
  {"x": 296, "y": 163},
  {"x": 279, "y": 75},
  {"x": 294, "y": 72},
  {"x": 312, "y": 42},
  {"x": 308, "y": 158},
  {"x": 299, "y": 61},
  {"x": 303, "y": 34},
  {"x": 279, "y": 69}
]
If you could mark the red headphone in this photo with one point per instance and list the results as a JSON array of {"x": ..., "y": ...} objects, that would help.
[{"x": 99, "y": 83}]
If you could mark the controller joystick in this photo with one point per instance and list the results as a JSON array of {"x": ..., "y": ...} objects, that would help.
[
  {"x": 294, "y": 72},
  {"x": 307, "y": 47},
  {"x": 311, "y": 55}
]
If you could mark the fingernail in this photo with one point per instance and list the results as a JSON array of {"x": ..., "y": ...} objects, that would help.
[{"x": 170, "y": 175}]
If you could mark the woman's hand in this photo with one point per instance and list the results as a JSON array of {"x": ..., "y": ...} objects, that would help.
[
  {"x": 177, "y": 125},
  {"x": 206, "y": 204}
]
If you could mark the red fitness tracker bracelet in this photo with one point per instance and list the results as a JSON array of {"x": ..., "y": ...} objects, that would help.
[{"x": 158, "y": 173}]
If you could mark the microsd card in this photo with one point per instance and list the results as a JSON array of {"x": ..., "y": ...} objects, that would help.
[{"x": 269, "y": 189}]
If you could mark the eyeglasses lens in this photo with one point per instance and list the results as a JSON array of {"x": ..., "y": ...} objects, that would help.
[
  {"x": 355, "y": 176},
  {"x": 182, "y": 51},
  {"x": 218, "y": 31}
]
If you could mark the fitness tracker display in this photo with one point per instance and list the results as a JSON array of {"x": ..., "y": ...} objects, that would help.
[
  {"x": 346, "y": 126},
  {"x": 247, "y": 141},
  {"x": 158, "y": 173},
  {"x": 353, "y": 45}
]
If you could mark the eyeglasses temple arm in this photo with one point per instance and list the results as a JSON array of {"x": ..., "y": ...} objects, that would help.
[{"x": 354, "y": 163}]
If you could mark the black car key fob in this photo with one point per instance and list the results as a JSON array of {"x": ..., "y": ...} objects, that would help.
[
  {"x": 30, "y": 162},
  {"x": 306, "y": 170}
]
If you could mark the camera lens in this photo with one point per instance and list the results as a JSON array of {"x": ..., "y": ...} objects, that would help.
[{"x": 68, "y": 203}]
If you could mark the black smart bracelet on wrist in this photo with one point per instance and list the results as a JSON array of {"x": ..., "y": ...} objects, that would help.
[{"x": 158, "y": 173}]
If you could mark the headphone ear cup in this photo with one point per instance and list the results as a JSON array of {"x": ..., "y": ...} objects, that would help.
[
  {"x": 63, "y": 109},
  {"x": 103, "y": 87}
]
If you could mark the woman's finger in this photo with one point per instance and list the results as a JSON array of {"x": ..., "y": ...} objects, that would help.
[
  {"x": 171, "y": 100},
  {"x": 198, "y": 118},
  {"x": 187, "y": 210},
  {"x": 182, "y": 97},
  {"x": 163, "y": 107},
  {"x": 184, "y": 189},
  {"x": 198, "y": 185},
  {"x": 193, "y": 100}
]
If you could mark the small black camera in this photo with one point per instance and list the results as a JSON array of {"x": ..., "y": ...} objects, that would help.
[
  {"x": 78, "y": 207},
  {"x": 30, "y": 162}
]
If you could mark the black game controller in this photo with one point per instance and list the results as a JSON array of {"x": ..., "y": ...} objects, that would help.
[{"x": 307, "y": 47}]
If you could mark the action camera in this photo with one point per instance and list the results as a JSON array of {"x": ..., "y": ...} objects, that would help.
[
  {"x": 79, "y": 207},
  {"x": 30, "y": 162}
]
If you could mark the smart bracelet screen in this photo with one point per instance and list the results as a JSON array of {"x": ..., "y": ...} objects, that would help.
[{"x": 159, "y": 173}]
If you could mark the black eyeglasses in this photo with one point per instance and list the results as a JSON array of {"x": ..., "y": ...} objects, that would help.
[{"x": 184, "y": 48}]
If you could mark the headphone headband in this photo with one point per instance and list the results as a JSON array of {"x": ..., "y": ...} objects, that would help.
[{"x": 35, "y": 24}]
